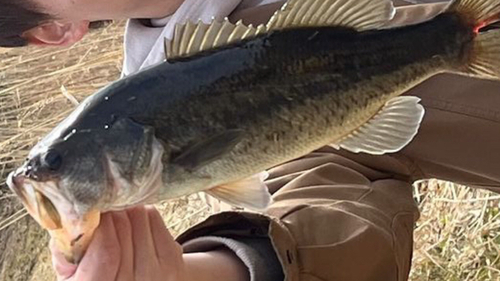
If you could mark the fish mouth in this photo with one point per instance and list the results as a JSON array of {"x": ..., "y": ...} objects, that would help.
[
  {"x": 71, "y": 231},
  {"x": 71, "y": 225}
]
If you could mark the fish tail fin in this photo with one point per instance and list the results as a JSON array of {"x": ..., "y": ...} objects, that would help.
[
  {"x": 484, "y": 58},
  {"x": 476, "y": 12}
]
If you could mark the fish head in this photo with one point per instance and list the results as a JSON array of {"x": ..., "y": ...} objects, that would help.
[
  {"x": 45, "y": 192},
  {"x": 67, "y": 182}
]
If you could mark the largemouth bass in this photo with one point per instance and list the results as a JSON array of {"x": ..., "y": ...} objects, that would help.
[{"x": 231, "y": 101}]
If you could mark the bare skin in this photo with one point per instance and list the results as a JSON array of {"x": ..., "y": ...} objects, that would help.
[
  {"x": 135, "y": 245},
  {"x": 71, "y": 18}
]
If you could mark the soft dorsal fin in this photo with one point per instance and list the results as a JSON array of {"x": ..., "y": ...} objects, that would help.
[
  {"x": 356, "y": 14},
  {"x": 391, "y": 129},
  {"x": 191, "y": 38}
]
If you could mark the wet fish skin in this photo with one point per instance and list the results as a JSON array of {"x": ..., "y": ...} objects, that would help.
[
  {"x": 266, "y": 88},
  {"x": 303, "y": 97},
  {"x": 269, "y": 87},
  {"x": 252, "y": 105}
]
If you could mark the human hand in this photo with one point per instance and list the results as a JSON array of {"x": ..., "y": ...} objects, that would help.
[{"x": 128, "y": 245}]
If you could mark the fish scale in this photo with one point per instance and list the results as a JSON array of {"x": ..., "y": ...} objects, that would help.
[{"x": 266, "y": 101}]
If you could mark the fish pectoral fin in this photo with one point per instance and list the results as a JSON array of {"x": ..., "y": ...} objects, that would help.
[
  {"x": 359, "y": 15},
  {"x": 391, "y": 129},
  {"x": 191, "y": 38},
  {"x": 208, "y": 150},
  {"x": 251, "y": 193}
]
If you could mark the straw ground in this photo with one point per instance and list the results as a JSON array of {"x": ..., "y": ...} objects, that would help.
[{"x": 456, "y": 238}]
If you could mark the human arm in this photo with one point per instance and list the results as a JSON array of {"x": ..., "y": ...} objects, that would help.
[{"x": 215, "y": 265}]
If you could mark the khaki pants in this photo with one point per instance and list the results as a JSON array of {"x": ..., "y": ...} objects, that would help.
[{"x": 344, "y": 216}]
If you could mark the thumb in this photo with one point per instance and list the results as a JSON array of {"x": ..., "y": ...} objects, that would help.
[{"x": 63, "y": 268}]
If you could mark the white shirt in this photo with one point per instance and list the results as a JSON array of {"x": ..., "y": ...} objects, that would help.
[{"x": 144, "y": 46}]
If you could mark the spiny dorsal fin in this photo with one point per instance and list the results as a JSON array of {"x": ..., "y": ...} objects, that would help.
[
  {"x": 192, "y": 38},
  {"x": 389, "y": 131},
  {"x": 357, "y": 14}
]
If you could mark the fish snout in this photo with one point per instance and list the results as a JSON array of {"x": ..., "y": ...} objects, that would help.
[
  {"x": 44, "y": 167},
  {"x": 40, "y": 207},
  {"x": 15, "y": 181}
]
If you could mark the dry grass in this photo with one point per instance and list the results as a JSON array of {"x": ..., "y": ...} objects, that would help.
[{"x": 457, "y": 236}]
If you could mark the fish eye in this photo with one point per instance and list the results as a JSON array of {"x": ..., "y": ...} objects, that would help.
[{"x": 52, "y": 160}]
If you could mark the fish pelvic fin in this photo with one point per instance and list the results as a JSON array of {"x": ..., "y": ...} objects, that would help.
[
  {"x": 251, "y": 193},
  {"x": 391, "y": 129},
  {"x": 484, "y": 57},
  {"x": 359, "y": 15}
]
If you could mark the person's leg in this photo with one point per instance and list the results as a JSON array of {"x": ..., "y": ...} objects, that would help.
[
  {"x": 349, "y": 222},
  {"x": 331, "y": 219}
]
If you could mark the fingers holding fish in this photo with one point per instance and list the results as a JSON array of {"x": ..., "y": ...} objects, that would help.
[
  {"x": 144, "y": 247},
  {"x": 101, "y": 261},
  {"x": 64, "y": 269},
  {"x": 123, "y": 228},
  {"x": 128, "y": 245},
  {"x": 161, "y": 236}
]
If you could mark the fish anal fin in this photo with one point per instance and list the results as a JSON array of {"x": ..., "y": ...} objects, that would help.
[
  {"x": 391, "y": 129},
  {"x": 251, "y": 193}
]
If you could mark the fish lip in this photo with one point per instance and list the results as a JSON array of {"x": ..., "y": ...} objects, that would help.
[
  {"x": 17, "y": 184},
  {"x": 34, "y": 199},
  {"x": 73, "y": 233},
  {"x": 13, "y": 184}
]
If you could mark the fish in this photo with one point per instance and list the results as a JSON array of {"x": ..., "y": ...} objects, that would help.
[{"x": 231, "y": 101}]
